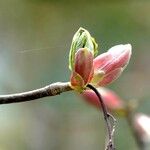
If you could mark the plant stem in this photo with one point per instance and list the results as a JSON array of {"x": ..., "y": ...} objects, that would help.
[
  {"x": 109, "y": 125},
  {"x": 50, "y": 90}
]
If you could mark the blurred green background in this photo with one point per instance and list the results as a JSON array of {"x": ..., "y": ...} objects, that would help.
[{"x": 35, "y": 37}]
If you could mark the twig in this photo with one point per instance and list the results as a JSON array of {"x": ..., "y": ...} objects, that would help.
[
  {"x": 50, "y": 90},
  {"x": 55, "y": 89},
  {"x": 110, "y": 124}
]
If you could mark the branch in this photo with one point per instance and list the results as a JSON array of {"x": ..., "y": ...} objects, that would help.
[
  {"x": 109, "y": 119},
  {"x": 50, "y": 90}
]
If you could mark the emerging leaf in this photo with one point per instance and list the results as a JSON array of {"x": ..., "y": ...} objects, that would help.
[{"x": 81, "y": 39}]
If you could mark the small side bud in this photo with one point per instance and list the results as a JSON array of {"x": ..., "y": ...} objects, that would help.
[
  {"x": 81, "y": 39},
  {"x": 142, "y": 126}
]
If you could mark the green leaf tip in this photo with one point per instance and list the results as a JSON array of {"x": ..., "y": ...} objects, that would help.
[{"x": 81, "y": 39}]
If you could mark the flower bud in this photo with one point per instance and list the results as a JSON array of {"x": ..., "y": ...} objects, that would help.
[
  {"x": 142, "y": 126},
  {"x": 108, "y": 66},
  {"x": 83, "y": 69},
  {"x": 112, "y": 101},
  {"x": 81, "y": 39}
]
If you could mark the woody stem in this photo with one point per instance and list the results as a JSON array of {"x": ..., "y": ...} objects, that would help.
[
  {"x": 49, "y": 90},
  {"x": 109, "y": 119}
]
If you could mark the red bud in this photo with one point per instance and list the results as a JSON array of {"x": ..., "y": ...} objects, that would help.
[
  {"x": 112, "y": 101},
  {"x": 142, "y": 126},
  {"x": 101, "y": 71},
  {"x": 111, "y": 63},
  {"x": 83, "y": 69}
]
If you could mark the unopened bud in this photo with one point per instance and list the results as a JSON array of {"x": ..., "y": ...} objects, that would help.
[
  {"x": 112, "y": 101},
  {"x": 142, "y": 127},
  {"x": 81, "y": 39}
]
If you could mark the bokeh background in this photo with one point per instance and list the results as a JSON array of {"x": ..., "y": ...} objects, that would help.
[{"x": 35, "y": 37}]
